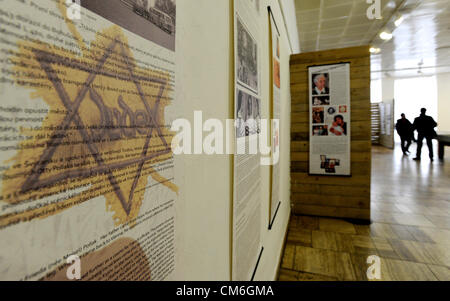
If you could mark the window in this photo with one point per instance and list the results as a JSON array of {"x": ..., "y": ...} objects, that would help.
[
  {"x": 412, "y": 94},
  {"x": 375, "y": 91}
]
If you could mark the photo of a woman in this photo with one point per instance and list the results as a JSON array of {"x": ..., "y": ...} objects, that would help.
[{"x": 339, "y": 127}]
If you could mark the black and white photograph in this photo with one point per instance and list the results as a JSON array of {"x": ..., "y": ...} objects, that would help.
[
  {"x": 248, "y": 115},
  {"x": 331, "y": 110},
  {"x": 247, "y": 58},
  {"x": 154, "y": 20},
  {"x": 329, "y": 115},
  {"x": 321, "y": 84}
]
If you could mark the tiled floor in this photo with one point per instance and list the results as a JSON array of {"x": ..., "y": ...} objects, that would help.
[{"x": 410, "y": 231}]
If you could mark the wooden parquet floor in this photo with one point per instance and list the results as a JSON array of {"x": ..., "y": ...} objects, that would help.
[{"x": 410, "y": 230}]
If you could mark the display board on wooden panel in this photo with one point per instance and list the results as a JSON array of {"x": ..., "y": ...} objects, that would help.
[
  {"x": 275, "y": 112},
  {"x": 88, "y": 170},
  {"x": 330, "y": 123},
  {"x": 344, "y": 197},
  {"x": 387, "y": 123},
  {"x": 246, "y": 225}
]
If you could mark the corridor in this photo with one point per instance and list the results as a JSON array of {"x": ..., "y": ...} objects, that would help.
[{"x": 410, "y": 229}]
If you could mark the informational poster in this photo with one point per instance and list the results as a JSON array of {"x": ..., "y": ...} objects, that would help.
[
  {"x": 276, "y": 115},
  {"x": 387, "y": 123},
  {"x": 246, "y": 235},
  {"x": 388, "y": 119},
  {"x": 383, "y": 118},
  {"x": 330, "y": 125},
  {"x": 87, "y": 188}
]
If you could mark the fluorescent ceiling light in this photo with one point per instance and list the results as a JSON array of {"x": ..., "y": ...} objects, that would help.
[
  {"x": 374, "y": 50},
  {"x": 399, "y": 21},
  {"x": 391, "y": 4},
  {"x": 386, "y": 36}
]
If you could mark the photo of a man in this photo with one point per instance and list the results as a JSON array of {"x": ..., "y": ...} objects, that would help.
[{"x": 320, "y": 84}]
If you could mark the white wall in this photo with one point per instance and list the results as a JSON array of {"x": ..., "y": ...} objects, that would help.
[
  {"x": 202, "y": 77},
  {"x": 387, "y": 88},
  {"x": 204, "y": 82},
  {"x": 376, "y": 91},
  {"x": 273, "y": 240},
  {"x": 443, "y": 84},
  {"x": 290, "y": 18}
]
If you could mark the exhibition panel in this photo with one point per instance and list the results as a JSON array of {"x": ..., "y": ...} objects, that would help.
[
  {"x": 93, "y": 183},
  {"x": 312, "y": 192}
]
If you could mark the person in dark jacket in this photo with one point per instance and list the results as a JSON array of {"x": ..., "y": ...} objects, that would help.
[
  {"x": 405, "y": 130},
  {"x": 424, "y": 125}
]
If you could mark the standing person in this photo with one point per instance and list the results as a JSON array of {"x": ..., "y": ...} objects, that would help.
[
  {"x": 424, "y": 125},
  {"x": 405, "y": 131}
]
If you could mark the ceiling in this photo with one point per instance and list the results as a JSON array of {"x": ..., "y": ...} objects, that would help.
[{"x": 420, "y": 45}]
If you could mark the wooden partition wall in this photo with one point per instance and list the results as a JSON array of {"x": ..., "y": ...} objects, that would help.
[{"x": 343, "y": 197}]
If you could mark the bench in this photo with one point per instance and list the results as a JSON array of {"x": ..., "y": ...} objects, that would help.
[{"x": 443, "y": 140}]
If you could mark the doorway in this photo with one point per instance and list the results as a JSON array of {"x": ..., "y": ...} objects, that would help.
[{"x": 412, "y": 94}]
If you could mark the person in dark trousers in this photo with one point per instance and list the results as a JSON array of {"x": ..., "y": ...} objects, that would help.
[
  {"x": 424, "y": 125},
  {"x": 405, "y": 130}
]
